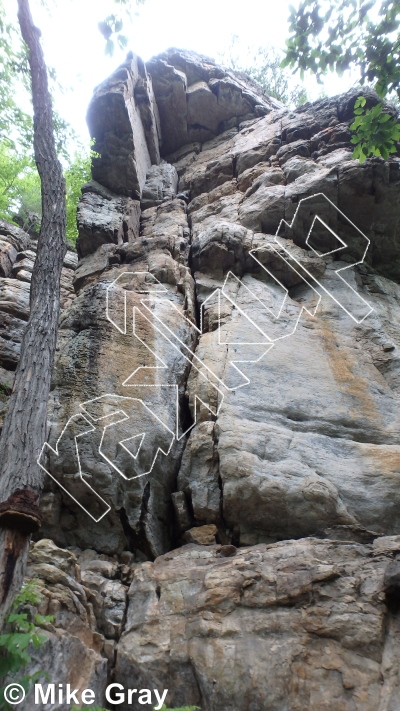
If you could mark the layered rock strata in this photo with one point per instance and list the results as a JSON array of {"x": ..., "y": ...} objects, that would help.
[
  {"x": 237, "y": 300},
  {"x": 300, "y": 624}
]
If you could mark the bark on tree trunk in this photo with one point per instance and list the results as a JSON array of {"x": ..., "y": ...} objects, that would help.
[{"x": 25, "y": 425}]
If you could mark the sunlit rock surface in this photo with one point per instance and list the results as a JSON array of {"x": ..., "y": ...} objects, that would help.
[{"x": 294, "y": 462}]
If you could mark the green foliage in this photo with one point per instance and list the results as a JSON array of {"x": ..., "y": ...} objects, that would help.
[
  {"x": 19, "y": 184},
  {"x": 15, "y": 124},
  {"x": 112, "y": 26},
  {"x": 78, "y": 173},
  {"x": 263, "y": 65},
  {"x": 22, "y": 635},
  {"x": 341, "y": 35},
  {"x": 184, "y": 708},
  {"x": 375, "y": 132},
  {"x": 20, "y": 187},
  {"x": 4, "y": 390}
]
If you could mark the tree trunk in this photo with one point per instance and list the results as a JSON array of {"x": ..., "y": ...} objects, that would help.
[{"x": 25, "y": 425}]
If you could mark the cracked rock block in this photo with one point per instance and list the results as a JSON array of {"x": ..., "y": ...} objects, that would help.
[
  {"x": 230, "y": 632},
  {"x": 123, "y": 120},
  {"x": 99, "y": 356},
  {"x": 265, "y": 346},
  {"x": 105, "y": 218},
  {"x": 12, "y": 241},
  {"x": 23, "y": 269},
  {"x": 161, "y": 185},
  {"x": 108, "y": 598},
  {"x": 181, "y": 509},
  {"x": 75, "y": 649},
  {"x": 199, "y": 474},
  {"x": 202, "y": 535},
  {"x": 197, "y": 99}
]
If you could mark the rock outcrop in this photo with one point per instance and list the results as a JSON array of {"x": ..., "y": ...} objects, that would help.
[
  {"x": 17, "y": 257},
  {"x": 224, "y": 421},
  {"x": 300, "y": 624},
  {"x": 123, "y": 120}
]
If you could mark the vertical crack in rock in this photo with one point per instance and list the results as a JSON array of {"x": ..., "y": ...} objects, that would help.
[
  {"x": 197, "y": 169},
  {"x": 136, "y": 537}
]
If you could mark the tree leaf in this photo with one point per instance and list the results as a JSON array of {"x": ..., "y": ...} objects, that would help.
[
  {"x": 105, "y": 30},
  {"x": 109, "y": 48}
]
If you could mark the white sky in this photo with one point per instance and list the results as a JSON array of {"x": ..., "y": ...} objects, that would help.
[{"x": 74, "y": 46}]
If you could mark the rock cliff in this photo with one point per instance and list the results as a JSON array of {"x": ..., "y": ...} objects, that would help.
[{"x": 222, "y": 515}]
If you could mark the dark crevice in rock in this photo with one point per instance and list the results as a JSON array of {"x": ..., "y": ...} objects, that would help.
[
  {"x": 235, "y": 166},
  {"x": 137, "y": 539},
  {"x": 192, "y": 271},
  {"x": 8, "y": 364},
  {"x": 392, "y": 600},
  {"x": 186, "y": 418},
  {"x": 391, "y": 584}
]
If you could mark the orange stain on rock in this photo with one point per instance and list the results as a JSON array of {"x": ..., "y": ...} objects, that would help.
[{"x": 346, "y": 371}]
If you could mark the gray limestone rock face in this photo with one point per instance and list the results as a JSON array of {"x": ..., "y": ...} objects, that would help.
[
  {"x": 12, "y": 241},
  {"x": 101, "y": 356},
  {"x": 123, "y": 120},
  {"x": 199, "y": 475},
  {"x": 283, "y": 433},
  {"x": 161, "y": 185},
  {"x": 23, "y": 268},
  {"x": 14, "y": 313},
  {"x": 105, "y": 218},
  {"x": 17, "y": 258},
  {"x": 198, "y": 99},
  {"x": 234, "y": 632},
  {"x": 228, "y": 370}
]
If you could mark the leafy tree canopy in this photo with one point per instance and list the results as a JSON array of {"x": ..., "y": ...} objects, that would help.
[
  {"x": 15, "y": 124},
  {"x": 20, "y": 193},
  {"x": 20, "y": 196},
  {"x": 19, "y": 183},
  {"x": 342, "y": 34}
]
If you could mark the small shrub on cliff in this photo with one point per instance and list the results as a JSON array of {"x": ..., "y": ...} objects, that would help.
[
  {"x": 375, "y": 132},
  {"x": 353, "y": 34},
  {"x": 22, "y": 635}
]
